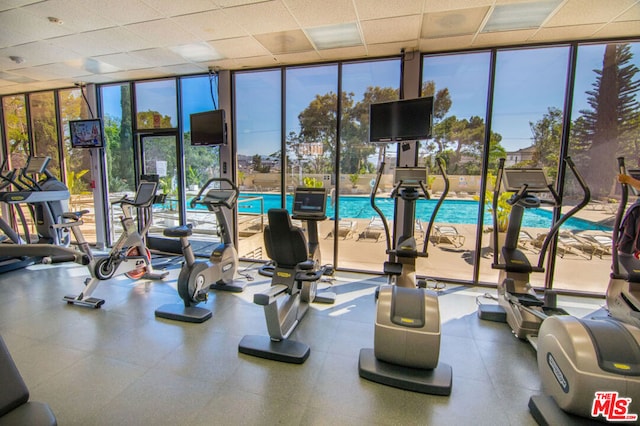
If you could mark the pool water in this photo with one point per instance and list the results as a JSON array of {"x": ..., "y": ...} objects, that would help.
[{"x": 452, "y": 211}]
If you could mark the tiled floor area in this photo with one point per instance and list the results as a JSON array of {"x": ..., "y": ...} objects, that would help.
[{"x": 119, "y": 365}]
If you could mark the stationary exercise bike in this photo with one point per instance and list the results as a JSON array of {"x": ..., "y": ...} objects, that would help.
[
  {"x": 293, "y": 284},
  {"x": 310, "y": 227},
  {"x": 197, "y": 277},
  {"x": 407, "y": 328},
  {"x": 591, "y": 367},
  {"x": 518, "y": 304},
  {"x": 129, "y": 255}
]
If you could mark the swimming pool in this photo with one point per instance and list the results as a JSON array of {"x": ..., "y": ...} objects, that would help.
[{"x": 452, "y": 211}]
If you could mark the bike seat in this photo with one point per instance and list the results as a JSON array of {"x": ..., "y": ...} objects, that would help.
[{"x": 178, "y": 231}]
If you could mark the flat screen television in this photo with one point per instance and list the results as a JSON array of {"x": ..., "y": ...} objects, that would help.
[
  {"x": 310, "y": 202},
  {"x": 208, "y": 128},
  {"x": 86, "y": 133},
  {"x": 404, "y": 120}
]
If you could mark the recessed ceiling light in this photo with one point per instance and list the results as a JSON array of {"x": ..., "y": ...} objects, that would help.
[
  {"x": 55, "y": 20},
  {"x": 333, "y": 36},
  {"x": 17, "y": 59},
  {"x": 198, "y": 52},
  {"x": 519, "y": 16}
]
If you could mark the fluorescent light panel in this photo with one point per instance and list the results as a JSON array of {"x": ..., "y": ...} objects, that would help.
[
  {"x": 519, "y": 16},
  {"x": 197, "y": 52},
  {"x": 333, "y": 36}
]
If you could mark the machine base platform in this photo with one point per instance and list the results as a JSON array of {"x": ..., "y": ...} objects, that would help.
[
  {"x": 491, "y": 312},
  {"x": 435, "y": 382},
  {"x": 284, "y": 351},
  {"x": 179, "y": 312},
  {"x": 234, "y": 287},
  {"x": 327, "y": 297},
  {"x": 546, "y": 412},
  {"x": 91, "y": 302}
]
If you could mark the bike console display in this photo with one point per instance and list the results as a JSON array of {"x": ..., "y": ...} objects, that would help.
[
  {"x": 310, "y": 203},
  {"x": 534, "y": 179}
]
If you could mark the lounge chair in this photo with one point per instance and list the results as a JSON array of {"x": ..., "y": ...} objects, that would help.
[
  {"x": 569, "y": 243},
  {"x": 374, "y": 229},
  {"x": 601, "y": 243},
  {"x": 447, "y": 234},
  {"x": 527, "y": 242},
  {"x": 346, "y": 229}
]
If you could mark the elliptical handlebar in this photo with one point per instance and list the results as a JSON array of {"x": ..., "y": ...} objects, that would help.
[
  {"x": 556, "y": 226},
  {"x": 427, "y": 233},
  {"x": 198, "y": 198},
  {"x": 615, "y": 265},
  {"x": 372, "y": 199},
  {"x": 494, "y": 206}
]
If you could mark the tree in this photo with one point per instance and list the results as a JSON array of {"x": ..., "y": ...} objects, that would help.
[
  {"x": 547, "y": 134},
  {"x": 607, "y": 128}
]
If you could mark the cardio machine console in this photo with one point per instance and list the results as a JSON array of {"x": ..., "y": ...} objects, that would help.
[
  {"x": 534, "y": 178},
  {"x": 310, "y": 203},
  {"x": 410, "y": 176}
]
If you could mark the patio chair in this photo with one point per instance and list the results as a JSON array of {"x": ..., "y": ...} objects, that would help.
[
  {"x": 527, "y": 242},
  {"x": 418, "y": 232},
  {"x": 374, "y": 229},
  {"x": 447, "y": 234},
  {"x": 346, "y": 229},
  {"x": 601, "y": 243},
  {"x": 568, "y": 243}
]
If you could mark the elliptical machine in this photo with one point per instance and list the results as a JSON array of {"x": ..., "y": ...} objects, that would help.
[
  {"x": 518, "y": 304},
  {"x": 294, "y": 281},
  {"x": 197, "y": 277},
  {"x": 591, "y": 367},
  {"x": 407, "y": 328}
]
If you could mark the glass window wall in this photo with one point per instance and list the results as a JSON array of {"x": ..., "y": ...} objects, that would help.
[
  {"x": 459, "y": 84},
  {"x": 258, "y": 135}
]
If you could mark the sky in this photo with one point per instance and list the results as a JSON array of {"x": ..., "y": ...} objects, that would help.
[{"x": 528, "y": 82}]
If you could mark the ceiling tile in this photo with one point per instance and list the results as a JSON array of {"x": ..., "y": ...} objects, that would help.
[
  {"x": 163, "y": 33},
  {"x": 239, "y": 47},
  {"x": 618, "y": 29},
  {"x": 446, "y": 44},
  {"x": 581, "y": 12},
  {"x": 34, "y": 27},
  {"x": 60, "y": 70},
  {"x": 233, "y": 3},
  {"x": 211, "y": 25},
  {"x": 185, "y": 69},
  {"x": 304, "y": 58},
  {"x": 503, "y": 38},
  {"x": 574, "y": 32},
  {"x": 389, "y": 49},
  {"x": 122, "y": 12},
  {"x": 391, "y": 29},
  {"x": 158, "y": 57},
  {"x": 313, "y": 13},
  {"x": 74, "y": 15},
  {"x": 103, "y": 42},
  {"x": 261, "y": 18},
  {"x": 13, "y": 38},
  {"x": 39, "y": 53},
  {"x": 285, "y": 42},
  {"x": 631, "y": 14},
  {"x": 170, "y": 8},
  {"x": 453, "y": 23},
  {"x": 431, "y": 6},
  {"x": 124, "y": 61},
  {"x": 377, "y": 9},
  {"x": 344, "y": 53}
]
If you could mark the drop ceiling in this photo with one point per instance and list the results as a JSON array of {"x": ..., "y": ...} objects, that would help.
[{"x": 56, "y": 43}]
